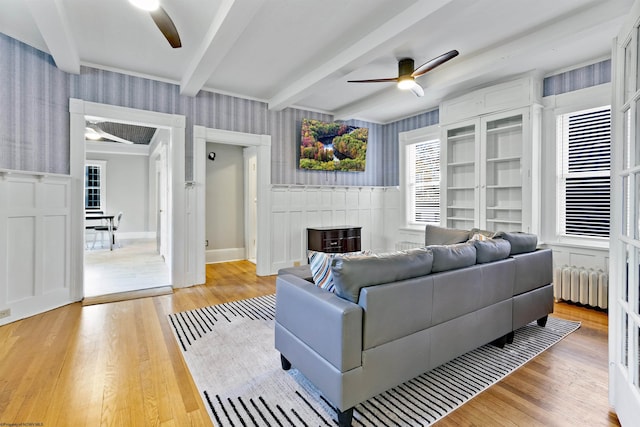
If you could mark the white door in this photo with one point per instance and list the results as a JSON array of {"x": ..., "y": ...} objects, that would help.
[
  {"x": 251, "y": 201},
  {"x": 624, "y": 288}
]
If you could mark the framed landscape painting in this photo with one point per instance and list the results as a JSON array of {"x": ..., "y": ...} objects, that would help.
[{"x": 332, "y": 146}]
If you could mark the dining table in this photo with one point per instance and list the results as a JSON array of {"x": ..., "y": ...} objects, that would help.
[{"x": 91, "y": 216}]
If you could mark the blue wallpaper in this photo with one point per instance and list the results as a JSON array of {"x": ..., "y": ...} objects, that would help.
[
  {"x": 34, "y": 110},
  {"x": 34, "y": 116},
  {"x": 579, "y": 78}
]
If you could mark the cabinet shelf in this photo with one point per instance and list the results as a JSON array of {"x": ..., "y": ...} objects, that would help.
[
  {"x": 503, "y": 128},
  {"x": 460, "y": 218},
  {"x": 454, "y": 164},
  {"x": 503, "y": 221},
  {"x": 504, "y": 159},
  {"x": 461, "y": 136},
  {"x": 504, "y": 208},
  {"x": 460, "y": 207},
  {"x": 462, "y": 188},
  {"x": 506, "y": 187}
]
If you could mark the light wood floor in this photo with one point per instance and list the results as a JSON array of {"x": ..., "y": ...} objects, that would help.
[
  {"x": 118, "y": 364},
  {"x": 132, "y": 266}
]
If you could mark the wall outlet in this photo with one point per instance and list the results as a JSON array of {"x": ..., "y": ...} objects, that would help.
[
  {"x": 296, "y": 263},
  {"x": 206, "y": 243},
  {"x": 5, "y": 313}
]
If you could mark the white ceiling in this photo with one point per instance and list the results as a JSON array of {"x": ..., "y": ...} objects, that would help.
[{"x": 302, "y": 52}]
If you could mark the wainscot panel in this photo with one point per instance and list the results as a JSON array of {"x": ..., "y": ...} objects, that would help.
[
  {"x": 296, "y": 208},
  {"x": 34, "y": 231}
]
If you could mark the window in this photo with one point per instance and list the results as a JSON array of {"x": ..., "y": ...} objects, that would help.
[
  {"x": 423, "y": 182},
  {"x": 584, "y": 172},
  {"x": 94, "y": 185}
]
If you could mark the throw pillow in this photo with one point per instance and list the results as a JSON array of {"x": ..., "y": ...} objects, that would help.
[{"x": 320, "y": 263}]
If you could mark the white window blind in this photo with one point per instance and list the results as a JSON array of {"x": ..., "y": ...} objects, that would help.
[
  {"x": 585, "y": 140},
  {"x": 424, "y": 182}
]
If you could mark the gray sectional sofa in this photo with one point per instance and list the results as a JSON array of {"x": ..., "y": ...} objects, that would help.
[{"x": 394, "y": 316}]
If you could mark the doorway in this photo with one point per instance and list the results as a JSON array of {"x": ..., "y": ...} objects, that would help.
[
  {"x": 231, "y": 184},
  {"x": 258, "y": 148},
  {"x": 173, "y": 177}
]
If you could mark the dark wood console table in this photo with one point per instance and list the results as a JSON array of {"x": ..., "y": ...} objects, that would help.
[{"x": 334, "y": 239}]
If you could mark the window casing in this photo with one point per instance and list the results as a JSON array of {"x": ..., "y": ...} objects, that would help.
[
  {"x": 584, "y": 154},
  {"x": 423, "y": 182}
]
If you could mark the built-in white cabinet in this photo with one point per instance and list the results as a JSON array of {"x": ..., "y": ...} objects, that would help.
[{"x": 490, "y": 168}]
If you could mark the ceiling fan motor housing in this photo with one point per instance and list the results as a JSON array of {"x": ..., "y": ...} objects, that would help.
[{"x": 405, "y": 67}]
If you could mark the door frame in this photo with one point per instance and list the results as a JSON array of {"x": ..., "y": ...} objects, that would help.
[
  {"x": 202, "y": 135},
  {"x": 79, "y": 110},
  {"x": 624, "y": 241}
]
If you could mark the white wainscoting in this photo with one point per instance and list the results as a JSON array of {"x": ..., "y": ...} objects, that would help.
[
  {"x": 35, "y": 243},
  {"x": 296, "y": 207},
  {"x": 572, "y": 255}
]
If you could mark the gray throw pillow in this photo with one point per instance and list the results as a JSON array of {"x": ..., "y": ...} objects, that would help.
[
  {"x": 520, "y": 242},
  {"x": 354, "y": 273},
  {"x": 451, "y": 257},
  {"x": 434, "y": 235},
  {"x": 491, "y": 250}
]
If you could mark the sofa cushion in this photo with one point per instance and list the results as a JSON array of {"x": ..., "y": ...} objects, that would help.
[
  {"x": 490, "y": 250},
  {"x": 520, "y": 242},
  {"x": 451, "y": 257},
  {"x": 350, "y": 274},
  {"x": 434, "y": 235}
]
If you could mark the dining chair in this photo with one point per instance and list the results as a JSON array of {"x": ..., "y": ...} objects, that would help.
[{"x": 105, "y": 229}]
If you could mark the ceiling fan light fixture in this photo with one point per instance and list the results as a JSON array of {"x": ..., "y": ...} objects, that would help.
[
  {"x": 406, "y": 83},
  {"x": 148, "y": 5}
]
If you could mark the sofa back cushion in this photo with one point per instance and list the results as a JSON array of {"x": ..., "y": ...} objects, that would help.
[
  {"x": 434, "y": 235},
  {"x": 395, "y": 310},
  {"x": 490, "y": 250},
  {"x": 520, "y": 242},
  {"x": 452, "y": 257},
  {"x": 460, "y": 292},
  {"x": 350, "y": 274}
]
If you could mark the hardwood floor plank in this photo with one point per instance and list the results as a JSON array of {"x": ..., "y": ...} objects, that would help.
[{"x": 119, "y": 364}]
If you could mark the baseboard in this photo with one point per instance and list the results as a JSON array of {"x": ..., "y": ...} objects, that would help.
[{"x": 224, "y": 255}]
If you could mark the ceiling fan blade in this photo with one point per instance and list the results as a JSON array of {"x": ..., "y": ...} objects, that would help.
[
  {"x": 391, "y": 79},
  {"x": 417, "y": 89},
  {"x": 166, "y": 26},
  {"x": 430, "y": 65}
]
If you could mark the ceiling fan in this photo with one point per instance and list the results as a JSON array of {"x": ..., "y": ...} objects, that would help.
[
  {"x": 407, "y": 74},
  {"x": 162, "y": 20}
]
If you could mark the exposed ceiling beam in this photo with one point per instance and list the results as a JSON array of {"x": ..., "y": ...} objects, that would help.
[
  {"x": 51, "y": 19},
  {"x": 466, "y": 68},
  {"x": 370, "y": 44},
  {"x": 230, "y": 21}
]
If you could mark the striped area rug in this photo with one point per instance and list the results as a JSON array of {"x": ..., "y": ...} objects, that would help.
[{"x": 229, "y": 349}]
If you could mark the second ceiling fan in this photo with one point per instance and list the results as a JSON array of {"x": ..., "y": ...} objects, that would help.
[{"x": 407, "y": 74}]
